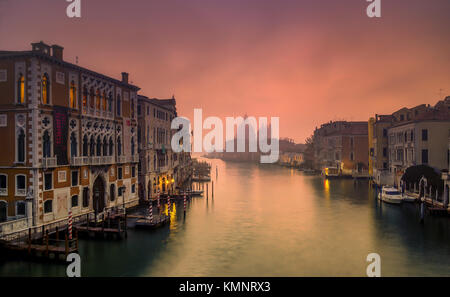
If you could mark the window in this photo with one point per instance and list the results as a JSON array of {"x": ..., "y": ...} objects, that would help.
[
  {"x": 99, "y": 146},
  {"x": 45, "y": 89},
  {"x": 46, "y": 145},
  {"x": 21, "y": 89},
  {"x": 104, "y": 101},
  {"x": 402, "y": 117},
  {"x": 384, "y": 152},
  {"x": 119, "y": 147},
  {"x": 97, "y": 99},
  {"x": 119, "y": 191},
  {"x": 384, "y": 132},
  {"x": 119, "y": 172},
  {"x": 133, "y": 188},
  {"x": 74, "y": 178},
  {"x": 424, "y": 156},
  {"x": 112, "y": 192},
  {"x": 85, "y": 146},
  {"x": 48, "y": 206},
  {"x": 132, "y": 108},
  {"x": 110, "y": 99},
  {"x": 385, "y": 165},
  {"x": 351, "y": 156},
  {"x": 3, "y": 184},
  {"x": 132, "y": 146},
  {"x": 139, "y": 109},
  {"x": 86, "y": 197},
  {"x": 73, "y": 145},
  {"x": 21, "y": 146},
  {"x": 111, "y": 146},
  {"x": 20, "y": 208},
  {"x": 21, "y": 185},
  {"x": 48, "y": 181},
  {"x": 85, "y": 96},
  {"x": 424, "y": 134},
  {"x": 73, "y": 95},
  {"x": 133, "y": 171},
  {"x": 119, "y": 105},
  {"x": 105, "y": 147},
  {"x": 74, "y": 200},
  {"x": 3, "y": 211},
  {"x": 92, "y": 146},
  {"x": 91, "y": 98}
]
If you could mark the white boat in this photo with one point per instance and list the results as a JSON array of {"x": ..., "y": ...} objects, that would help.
[
  {"x": 410, "y": 198},
  {"x": 390, "y": 195}
]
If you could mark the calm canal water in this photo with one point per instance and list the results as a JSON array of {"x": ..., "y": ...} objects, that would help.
[{"x": 266, "y": 220}]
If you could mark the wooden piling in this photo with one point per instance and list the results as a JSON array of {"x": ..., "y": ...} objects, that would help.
[
  {"x": 66, "y": 245},
  {"x": 46, "y": 243},
  {"x": 57, "y": 233},
  {"x": 29, "y": 241},
  {"x": 212, "y": 189}
]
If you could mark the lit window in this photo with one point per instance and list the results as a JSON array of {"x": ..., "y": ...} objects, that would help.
[
  {"x": 21, "y": 89},
  {"x": 97, "y": 100},
  {"x": 104, "y": 101},
  {"x": 45, "y": 89},
  {"x": 73, "y": 95}
]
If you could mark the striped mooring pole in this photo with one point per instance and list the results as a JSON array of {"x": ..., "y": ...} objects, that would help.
[
  {"x": 70, "y": 224},
  {"x": 168, "y": 206},
  {"x": 184, "y": 201},
  {"x": 158, "y": 202},
  {"x": 150, "y": 211}
]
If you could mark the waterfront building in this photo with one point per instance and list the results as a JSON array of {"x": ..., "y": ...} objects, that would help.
[
  {"x": 69, "y": 138},
  {"x": 160, "y": 168},
  {"x": 343, "y": 146},
  {"x": 378, "y": 148},
  {"x": 419, "y": 136}
]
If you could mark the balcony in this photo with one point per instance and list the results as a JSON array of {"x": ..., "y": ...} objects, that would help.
[
  {"x": 49, "y": 162},
  {"x": 3, "y": 192},
  {"x": 102, "y": 160},
  {"x": 121, "y": 159},
  {"x": 134, "y": 159},
  {"x": 79, "y": 161},
  {"x": 21, "y": 192}
]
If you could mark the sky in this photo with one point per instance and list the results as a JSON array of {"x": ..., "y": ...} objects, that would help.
[{"x": 306, "y": 62}]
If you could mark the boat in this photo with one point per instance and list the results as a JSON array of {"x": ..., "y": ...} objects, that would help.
[
  {"x": 390, "y": 195},
  {"x": 309, "y": 172},
  {"x": 146, "y": 224},
  {"x": 195, "y": 193},
  {"x": 410, "y": 197},
  {"x": 331, "y": 172}
]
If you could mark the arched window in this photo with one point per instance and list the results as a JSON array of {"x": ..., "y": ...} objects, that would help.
[
  {"x": 104, "y": 101},
  {"x": 92, "y": 146},
  {"x": 85, "y": 146},
  {"x": 119, "y": 147},
  {"x": 97, "y": 99},
  {"x": 85, "y": 97},
  {"x": 132, "y": 108},
  {"x": 45, "y": 89},
  {"x": 112, "y": 192},
  {"x": 111, "y": 146},
  {"x": 99, "y": 146},
  {"x": 3, "y": 211},
  {"x": 21, "y": 185},
  {"x": 46, "y": 145},
  {"x": 154, "y": 162},
  {"x": 91, "y": 98},
  {"x": 73, "y": 95},
  {"x": 105, "y": 147},
  {"x": 21, "y": 146},
  {"x": 73, "y": 145},
  {"x": 48, "y": 206},
  {"x": 119, "y": 105},
  {"x": 132, "y": 146},
  {"x": 86, "y": 197},
  {"x": 74, "y": 200},
  {"x": 110, "y": 100},
  {"x": 21, "y": 89}
]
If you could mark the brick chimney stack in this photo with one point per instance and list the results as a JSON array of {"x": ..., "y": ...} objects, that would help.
[
  {"x": 125, "y": 77},
  {"x": 57, "y": 52}
]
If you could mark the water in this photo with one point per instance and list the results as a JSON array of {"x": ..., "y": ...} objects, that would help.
[{"x": 265, "y": 220}]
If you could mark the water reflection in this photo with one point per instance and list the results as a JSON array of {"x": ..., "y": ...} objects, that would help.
[{"x": 265, "y": 220}]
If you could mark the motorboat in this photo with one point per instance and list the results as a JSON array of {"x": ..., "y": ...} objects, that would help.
[{"x": 390, "y": 195}]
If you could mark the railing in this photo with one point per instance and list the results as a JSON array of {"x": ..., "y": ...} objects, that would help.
[
  {"x": 78, "y": 161},
  {"x": 49, "y": 162},
  {"x": 121, "y": 159},
  {"x": 3, "y": 192}
]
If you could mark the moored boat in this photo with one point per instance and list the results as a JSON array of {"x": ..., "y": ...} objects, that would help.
[{"x": 390, "y": 195}]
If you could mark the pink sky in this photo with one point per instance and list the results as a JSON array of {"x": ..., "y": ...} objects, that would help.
[{"x": 307, "y": 62}]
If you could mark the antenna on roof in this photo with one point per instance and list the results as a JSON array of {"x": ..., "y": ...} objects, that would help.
[{"x": 76, "y": 60}]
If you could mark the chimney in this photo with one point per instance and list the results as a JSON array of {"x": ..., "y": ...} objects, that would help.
[
  {"x": 40, "y": 47},
  {"x": 57, "y": 52},
  {"x": 125, "y": 77}
]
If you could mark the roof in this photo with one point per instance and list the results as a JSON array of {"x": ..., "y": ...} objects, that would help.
[{"x": 39, "y": 55}]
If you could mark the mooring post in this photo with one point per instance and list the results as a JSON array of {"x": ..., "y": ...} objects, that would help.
[
  {"x": 125, "y": 227},
  {"x": 57, "y": 233},
  {"x": 87, "y": 222},
  {"x": 67, "y": 245},
  {"x": 29, "y": 240},
  {"x": 207, "y": 191},
  {"x": 212, "y": 189},
  {"x": 422, "y": 212},
  {"x": 46, "y": 243}
]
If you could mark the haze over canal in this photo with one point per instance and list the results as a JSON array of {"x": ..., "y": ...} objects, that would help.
[{"x": 266, "y": 220}]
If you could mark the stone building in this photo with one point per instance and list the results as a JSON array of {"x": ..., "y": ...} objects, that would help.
[
  {"x": 160, "y": 168},
  {"x": 70, "y": 138},
  {"x": 341, "y": 145}
]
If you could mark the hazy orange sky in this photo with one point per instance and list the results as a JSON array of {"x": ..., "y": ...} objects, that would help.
[{"x": 307, "y": 62}]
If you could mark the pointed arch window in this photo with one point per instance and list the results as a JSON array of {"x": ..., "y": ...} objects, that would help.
[
  {"x": 73, "y": 145},
  {"x": 119, "y": 147},
  {"x": 85, "y": 97},
  {"x": 85, "y": 146},
  {"x": 104, "y": 101},
  {"x": 132, "y": 146},
  {"x": 21, "y": 146},
  {"x": 45, "y": 89},
  {"x": 97, "y": 99},
  {"x": 110, "y": 100},
  {"x": 105, "y": 147},
  {"x": 46, "y": 144},
  {"x": 119, "y": 105},
  {"x": 92, "y": 146},
  {"x": 91, "y": 98},
  {"x": 111, "y": 146},
  {"x": 132, "y": 108},
  {"x": 21, "y": 89},
  {"x": 73, "y": 95},
  {"x": 99, "y": 146}
]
